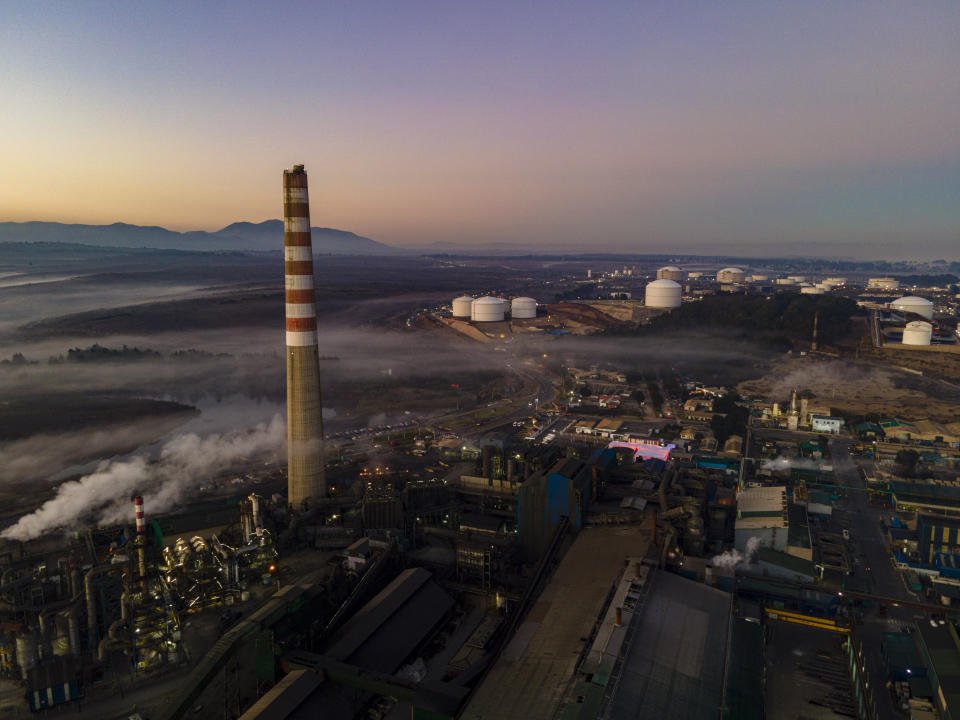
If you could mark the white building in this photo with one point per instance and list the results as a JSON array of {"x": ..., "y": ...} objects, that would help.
[
  {"x": 762, "y": 513},
  {"x": 826, "y": 424}
]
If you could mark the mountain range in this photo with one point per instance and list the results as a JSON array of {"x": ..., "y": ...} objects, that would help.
[{"x": 264, "y": 236}]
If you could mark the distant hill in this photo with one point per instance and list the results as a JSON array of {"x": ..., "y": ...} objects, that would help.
[{"x": 267, "y": 235}]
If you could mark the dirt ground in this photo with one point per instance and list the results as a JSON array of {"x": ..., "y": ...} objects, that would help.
[{"x": 858, "y": 388}]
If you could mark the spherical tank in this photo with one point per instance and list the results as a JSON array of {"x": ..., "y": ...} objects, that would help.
[
  {"x": 663, "y": 294},
  {"x": 487, "y": 309},
  {"x": 917, "y": 333},
  {"x": 461, "y": 306},
  {"x": 671, "y": 272},
  {"x": 920, "y": 306},
  {"x": 730, "y": 275},
  {"x": 523, "y": 308}
]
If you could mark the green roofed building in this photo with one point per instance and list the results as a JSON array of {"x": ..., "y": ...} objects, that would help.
[{"x": 940, "y": 647}]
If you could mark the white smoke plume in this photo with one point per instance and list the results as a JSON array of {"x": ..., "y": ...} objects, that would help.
[
  {"x": 731, "y": 559},
  {"x": 789, "y": 463},
  {"x": 183, "y": 464}
]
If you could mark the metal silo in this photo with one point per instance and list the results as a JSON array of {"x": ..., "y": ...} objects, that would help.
[
  {"x": 523, "y": 308},
  {"x": 487, "y": 309},
  {"x": 461, "y": 306},
  {"x": 663, "y": 294}
]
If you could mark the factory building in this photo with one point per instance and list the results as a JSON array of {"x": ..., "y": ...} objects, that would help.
[
  {"x": 941, "y": 653},
  {"x": 917, "y": 333},
  {"x": 487, "y": 309},
  {"x": 545, "y": 499},
  {"x": 663, "y": 294},
  {"x": 730, "y": 276},
  {"x": 461, "y": 306},
  {"x": 304, "y": 409},
  {"x": 671, "y": 272},
  {"x": 762, "y": 513},
  {"x": 883, "y": 283},
  {"x": 523, "y": 308},
  {"x": 912, "y": 304},
  {"x": 826, "y": 424}
]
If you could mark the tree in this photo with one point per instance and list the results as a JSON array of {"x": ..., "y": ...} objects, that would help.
[
  {"x": 731, "y": 418},
  {"x": 656, "y": 399},
  {"x": 585, "y": 391}
]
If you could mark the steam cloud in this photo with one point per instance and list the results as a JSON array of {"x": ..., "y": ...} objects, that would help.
[
  {"x": 182, "y": 464},
  {"x": 731, "y": 559},
  {"x": 789, "y": 463}
]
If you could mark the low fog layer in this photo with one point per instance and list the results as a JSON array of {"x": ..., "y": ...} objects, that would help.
[
  {"x": 820, "y": 375},
  {"x": 102, "y": 496}
]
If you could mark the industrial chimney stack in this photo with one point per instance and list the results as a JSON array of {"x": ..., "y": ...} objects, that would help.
[
  {"x": 304, "y": 422},
  {"x": 141, "y": 539}
]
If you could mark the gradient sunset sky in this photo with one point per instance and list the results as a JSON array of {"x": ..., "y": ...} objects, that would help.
[{"x": 770, "y": 127}]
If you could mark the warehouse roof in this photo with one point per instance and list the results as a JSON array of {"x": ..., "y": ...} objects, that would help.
[
  {"x": 940, "y": 648},
  {"x": 391, "y": 626},
  {"x": 788, "y": 562},
  {"x": 762, "y": 501},
  {"x": 284, "y": 697},
  {"x": 743, "y": 695},
  {"x": 674, "y": 666}
]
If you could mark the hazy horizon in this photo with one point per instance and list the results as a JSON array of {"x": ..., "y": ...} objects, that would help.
[{"x": 740, "y": 128}]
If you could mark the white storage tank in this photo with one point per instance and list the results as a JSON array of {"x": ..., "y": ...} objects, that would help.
[
  {"x": 884, "y": 283},
  {"x": 523, "y": 308},
  {"x": 797, "y": 278},
  {"x": 759, "y": 278},
  {"x": 730, "y": 275},
  {"x": 835, "y": 281},
  {"x": 671, "y": 272},
  {"x": 487, "y": 309},
  {"x": 461, "y": 306},
  {"x": 663, "y": 294},
  {"x": 811, "y": 290},
  {"x": 917, "y": 333},
  {"x": 910, "y": 303}
]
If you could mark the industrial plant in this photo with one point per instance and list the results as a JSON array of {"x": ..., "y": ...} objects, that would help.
[{"x": 508, "y": 522}]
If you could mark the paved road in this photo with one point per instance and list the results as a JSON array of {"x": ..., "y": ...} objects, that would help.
[{"x": 873, "y": 558}]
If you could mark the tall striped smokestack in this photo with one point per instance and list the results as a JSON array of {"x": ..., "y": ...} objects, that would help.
[{"x": 305, "y": 471}]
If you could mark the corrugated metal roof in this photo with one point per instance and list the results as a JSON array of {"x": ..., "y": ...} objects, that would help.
[
  {"x": 675, "y": 663},
  {"x": 284, "y": 697},
  {"x": 389, "y": 627}
]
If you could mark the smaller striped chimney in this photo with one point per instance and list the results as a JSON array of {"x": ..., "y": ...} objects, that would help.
[
  {"x": 141, "y": 539},
  {"x": 138, "y": 508}
]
